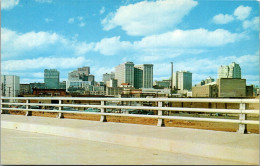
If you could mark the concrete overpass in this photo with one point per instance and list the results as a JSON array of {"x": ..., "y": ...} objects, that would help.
[{"x": 41, "y": 140}]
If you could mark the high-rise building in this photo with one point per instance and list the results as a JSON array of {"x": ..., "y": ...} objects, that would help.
[
  {"x": 143, "y": 76},
  {"x": 107, "y": 77},
  {"x": 234, "y": 70},
  {"x": 231, "y": 71},
  {"x": 182, "y": 80},
  {"x": 80, "y": 79},
  {"x": 52, "y": 78},
  {"x": 10, "y": 85},
  {"x": 125, "y": 73},
  {"x": 79, "y": 74},
  {"x": 84, "y": 70}
]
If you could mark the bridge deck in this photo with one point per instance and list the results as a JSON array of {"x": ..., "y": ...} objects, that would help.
[{"x": 204, "y": 143}]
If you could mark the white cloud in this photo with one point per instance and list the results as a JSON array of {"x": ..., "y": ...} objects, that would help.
[
  {"x": 98, "y": 71},
  {"x": 189, "y": 39},
  {"x": 44, "y": 1},
  {"x": 252, "y": 24},
  {"x": 71, "y": 20},
  {"x": 16, "y": 44},
  {"x": 102, "y": 10},
  {"x": 48, "y": 20},
  {"x": 168, "y": 45},
  {"x": 82, "y": 48},
  {"x": 242, "y": 12},
  {"x": 222, "y": 19},
  {"x": 112, "y": 46},
  {"x": 146, "y": 18},
  {"x": 30, "y": 80},
  {"x": 8, "y": 4},
  {"x": 13, "y": 43},
  {"x": 38, "y": 75},
  {"x": 78, "y": 19},
  {"x": 43, "y": 62},
  {"x": 82, "y": 24}
]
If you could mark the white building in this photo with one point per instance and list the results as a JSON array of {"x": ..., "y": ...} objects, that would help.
[
  {"x": 10, "y": 85},
  {"x": 231, "y": 71},
  {"x": 182, "y": 80},
  {"x": 124, "y": 73}
]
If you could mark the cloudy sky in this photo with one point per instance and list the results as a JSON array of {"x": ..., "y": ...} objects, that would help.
[{"x": 196, "y": 35}]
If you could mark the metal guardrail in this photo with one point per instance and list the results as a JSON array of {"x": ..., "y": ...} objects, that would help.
[{"x": 242, "y": 111}]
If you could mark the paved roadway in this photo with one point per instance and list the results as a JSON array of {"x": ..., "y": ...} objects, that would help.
[
  {"x": 81, "y": 139},
  {"x": 19, "y": 147}
]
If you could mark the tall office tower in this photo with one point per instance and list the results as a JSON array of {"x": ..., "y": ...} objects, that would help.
[
  {"x": 79, "y": 74},
  {"x": 10, "y": 85},
  {"x": 52, "y": 78},
  {"x": 84, "y": 70},
  {"x": 231, "y": 71},
  {"x": 234, "y": 70},
  {"x": 90, "y": 78},
  {"x": 107, "y": 77},
  {"x": 223, "y": 72},
  {"x": 125, "y": 73},
  {"x": 112, "y": 75},
  {"x": 143, "y": 76},
  {"x": 138, "y": 77},
  {"x": 182, "y": 80}
]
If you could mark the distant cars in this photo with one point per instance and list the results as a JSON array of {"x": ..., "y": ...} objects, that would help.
[
  {"x": 92, "y": 110},
  {"x": 34, "y": 107},
  {"x": 145, "y": 112},
  {"x": 22, "y": 106},
  {"x": 69, "y": 109}
]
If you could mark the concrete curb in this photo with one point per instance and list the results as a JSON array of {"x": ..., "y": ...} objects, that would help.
[{"x": 223, "y": 152}]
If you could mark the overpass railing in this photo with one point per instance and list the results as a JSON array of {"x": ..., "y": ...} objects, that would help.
[{"x": 160, "y": 106}]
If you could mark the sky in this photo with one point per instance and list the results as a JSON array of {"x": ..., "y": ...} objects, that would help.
[{"x": 196, "y": 35}]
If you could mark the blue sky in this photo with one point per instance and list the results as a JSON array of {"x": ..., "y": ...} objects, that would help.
[{"x": 196, "y": 35}]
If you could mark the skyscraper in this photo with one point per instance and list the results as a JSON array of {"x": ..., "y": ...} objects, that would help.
[
  {"x": 107, "y": 77},
  {"x": 143, "y": 76},
  {"x": 125, "y": 73},
  {"x": 182, "y": 80},
  {"x": 52, "y": 78},
  {"x": 79, "y": 74},
  {"x": 231, "y": 71},
  {"x": 80, "y": 78},
  {"x": 234, "y": 70}
]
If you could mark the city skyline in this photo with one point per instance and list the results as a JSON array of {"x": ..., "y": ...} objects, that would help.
[{"x": 41, "y": 34}]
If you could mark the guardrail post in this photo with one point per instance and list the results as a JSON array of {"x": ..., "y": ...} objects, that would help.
[
  {"x": 28, "y": 113},
  {"x": 60, "y": 114},
  {"x": 2, "y": 111},
  {"x": 242, "y": 116},
  {"x": 160, "y": 113},
  {"x": 103, "y": 117},
  {"x": 126, "y": 110}
]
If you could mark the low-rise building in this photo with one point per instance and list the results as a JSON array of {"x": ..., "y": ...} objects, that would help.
[
  {"x": 162, "y": 84},
  {"x": 25, "y": 89},
  {"x": 250, "y": 91},
  {"x": 231, "y": 87},
  {"x": 210, "y": 91},
  {"x": 111, "y": 91},
  {"x": 49, "y": 92}
]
